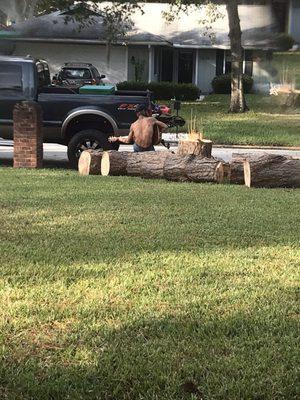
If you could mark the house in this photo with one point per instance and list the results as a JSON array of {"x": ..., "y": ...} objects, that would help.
[
  {"x": 181, "y": 51},
  {"x": 287, "y": 13},
  {"x": 293, "y": 20}
]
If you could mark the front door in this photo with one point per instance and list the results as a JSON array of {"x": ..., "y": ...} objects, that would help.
[{"x": 185, "y": 66}]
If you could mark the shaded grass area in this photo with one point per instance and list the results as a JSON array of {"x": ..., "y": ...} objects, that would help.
[
  {"x": 119, "y": 288},
  {"x": 265, "y": 124},
  {"x": 288, "y": 62}
]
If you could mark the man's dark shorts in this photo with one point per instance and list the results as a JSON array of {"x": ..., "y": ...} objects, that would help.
[{"x": 139, "y": 149}]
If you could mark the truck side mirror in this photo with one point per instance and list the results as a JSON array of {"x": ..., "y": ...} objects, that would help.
[{"x": 102, "y": 76}]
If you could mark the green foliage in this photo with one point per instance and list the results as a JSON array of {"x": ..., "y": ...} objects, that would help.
[
  {"x": 123, "y": 288},
  {"x": 222, "y": 83},
  {"x": 164, "y": 90},
  {"x": 284, "y": 42}
]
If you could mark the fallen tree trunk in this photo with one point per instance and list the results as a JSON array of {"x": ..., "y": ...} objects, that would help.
[
  {"x": 200, "y": 169},
  {"x": 163, "y": 164},
  {"x": 272, "y": 171},
  {"x": 114, "y": 163},
  {"x": 152, "y": 164},
  {"x": 196, "y": 147},
  {"x": 236, "y": 166},
  {"x": 134, "y": 164},
  {"x": 90, "y": 162},
  {"x": 174, "y": 168}
]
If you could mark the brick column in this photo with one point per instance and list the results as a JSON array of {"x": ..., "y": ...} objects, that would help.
[{"x": 28, "y": 135}]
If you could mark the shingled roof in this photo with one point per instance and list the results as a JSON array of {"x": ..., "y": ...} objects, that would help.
[{"x": 258, "y": 27}]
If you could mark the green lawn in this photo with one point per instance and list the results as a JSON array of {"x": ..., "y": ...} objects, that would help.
[
  {"x": 124, "y": 289},
  {"x": 289, "y": 61},
  {"x": 265, "y": 124}
]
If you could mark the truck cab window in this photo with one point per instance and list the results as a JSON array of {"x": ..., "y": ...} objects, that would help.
[
  {"x": 43, "y": 75},
  {"x": 11, "y": 77}
]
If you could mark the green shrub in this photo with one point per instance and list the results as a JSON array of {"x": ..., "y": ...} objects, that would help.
[
  {"x": 164, "y": 90},
  {"x": 284, "y": 42},
  {"x": 222, "y": 83}
]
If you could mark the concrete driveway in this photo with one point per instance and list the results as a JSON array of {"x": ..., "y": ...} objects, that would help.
[{"x": 55, "y": 155}]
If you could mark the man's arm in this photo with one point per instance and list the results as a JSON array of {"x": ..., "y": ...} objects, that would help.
[
  {"x": 161, "y": 125},
  {"x": 122, "y": 139}
]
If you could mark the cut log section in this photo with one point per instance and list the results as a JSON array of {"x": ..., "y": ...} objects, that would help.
[
  {"x": 90, "y": 162},
  {"x": 114, "y": 163},
  {"x": 175, "y": 168},
  {"x": 134, "y": 163},
  {"x": 152, "y": 164},
  {"x": 272, "y": 171},
  {"x": 195, "y": 147},
  {"x": 204, "y": 170},
  {"x": 236, "y": 173},
  {"x": 163, "y": 164}
]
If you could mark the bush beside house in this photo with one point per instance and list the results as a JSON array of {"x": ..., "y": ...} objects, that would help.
[
  {"x": 284, "y": 42},
  {"x": 164, "y": 90},
  {"x": 222, "y": 83}
]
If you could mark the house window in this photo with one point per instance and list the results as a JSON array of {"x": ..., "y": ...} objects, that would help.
[
  {"x": 227, "y": 62},
  {"x": 167, "y": 65},
  {"x": 185, "y": 66},
  {"x": 219, "y": 62},
  {"x": 248, "y": 62}
]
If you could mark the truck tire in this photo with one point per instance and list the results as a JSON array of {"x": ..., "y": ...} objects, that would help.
[{"x": 88, "y": 139}]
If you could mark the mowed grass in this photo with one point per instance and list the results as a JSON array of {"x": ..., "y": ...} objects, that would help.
[
  {"x": 266, "y": 124},
  {"x": 120, "y": 288}
]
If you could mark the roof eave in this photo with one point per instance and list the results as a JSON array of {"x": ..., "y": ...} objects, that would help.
[{"x": 88, "y": 41}]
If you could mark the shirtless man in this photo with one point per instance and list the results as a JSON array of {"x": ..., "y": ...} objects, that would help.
[{"x": 141, "y": 131}]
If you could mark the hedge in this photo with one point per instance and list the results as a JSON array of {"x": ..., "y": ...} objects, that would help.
[
  {"x": 164, "y": 90},
  {"x": 222, "y": 83},
  {"x": 284, "y": 41}
]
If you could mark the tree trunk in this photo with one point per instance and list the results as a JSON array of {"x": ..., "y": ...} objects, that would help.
[
  {"x": 200, "y": 169},
  {"x": 114, "y": 163},
  {"x": 175, "y": 167},
  {"x": 236, "y": 172},
  {"x": 163, "y": 164},
  {"x": 152, "y": 164},
  {"x": 238, "y": 101},
  {"x": 90, "y": 162},
  {"x": 195, "y": 147},
  {"x": 271, "y": 171},
  {"x": 134, "y": 164}
]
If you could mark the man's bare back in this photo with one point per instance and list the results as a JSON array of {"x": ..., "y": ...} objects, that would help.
[{"x": 141, "y": 132}]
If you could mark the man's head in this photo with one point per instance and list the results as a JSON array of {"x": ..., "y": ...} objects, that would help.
[{"x": 142, "y": 109}]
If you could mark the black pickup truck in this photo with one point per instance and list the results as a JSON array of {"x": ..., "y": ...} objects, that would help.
[{"x": 79, "y": 121}]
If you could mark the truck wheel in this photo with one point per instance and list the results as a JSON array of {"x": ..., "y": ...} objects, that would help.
[{"x": 88, "y": 139}]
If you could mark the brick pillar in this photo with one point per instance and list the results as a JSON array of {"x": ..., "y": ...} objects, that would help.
[{"x": 28, "y": 135}]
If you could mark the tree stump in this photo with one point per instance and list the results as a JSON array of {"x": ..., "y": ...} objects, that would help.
[
  {"x": 152, "y": 164},
  {"x": 90, "y": 162},
  {"x": 199, "y": 169},
  {"x": 272, "y": 171},
  {"x": 114, "y": 163},
  {"x": 195, "y": 147}
]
